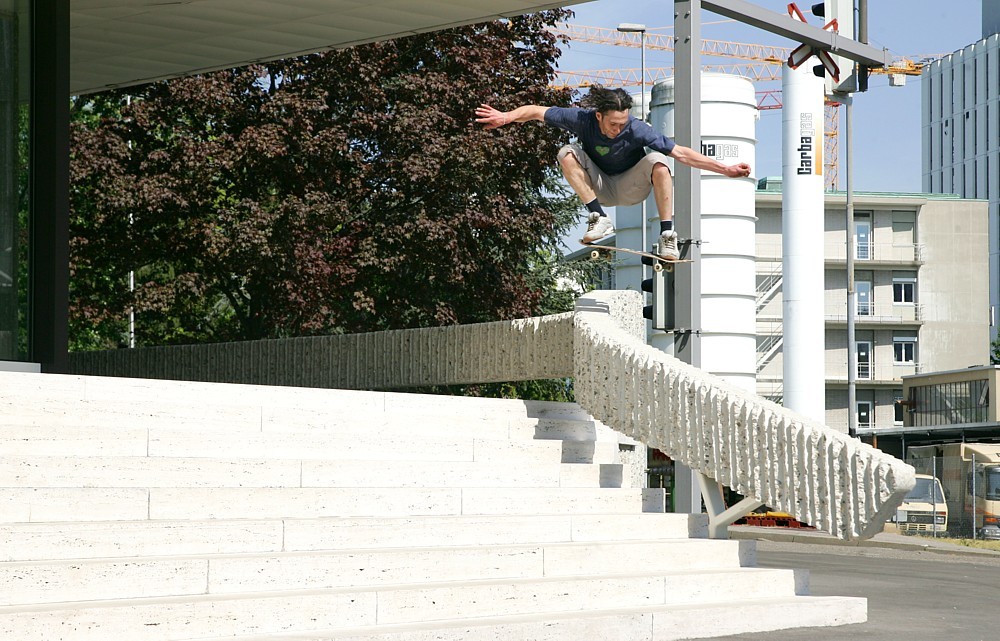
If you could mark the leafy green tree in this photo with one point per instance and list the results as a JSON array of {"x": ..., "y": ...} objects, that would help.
[{"x": 344, "y": 191}]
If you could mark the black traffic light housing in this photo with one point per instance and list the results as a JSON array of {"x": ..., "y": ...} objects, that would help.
[{"x": 660, "y": 286}]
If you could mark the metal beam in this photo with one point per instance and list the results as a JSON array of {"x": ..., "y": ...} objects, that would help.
[
  {"x": 687, "y": 217},
  {"x": 784, "y": 25}
]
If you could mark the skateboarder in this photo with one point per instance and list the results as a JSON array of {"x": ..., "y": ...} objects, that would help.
[{"x": 609, "y": 164}]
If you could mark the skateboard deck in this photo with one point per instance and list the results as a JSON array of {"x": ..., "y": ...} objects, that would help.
[{"x": 657, "y": 262}]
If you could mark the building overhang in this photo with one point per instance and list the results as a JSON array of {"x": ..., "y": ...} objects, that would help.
[{"x": 118, "y": 43}]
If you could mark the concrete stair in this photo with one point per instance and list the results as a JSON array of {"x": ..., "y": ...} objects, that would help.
[{"x": 169, "y": 511}]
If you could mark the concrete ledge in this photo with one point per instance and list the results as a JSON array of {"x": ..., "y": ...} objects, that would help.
[
  {"x": 523, "y": 349},
  {"x": 760, "y": 449}
]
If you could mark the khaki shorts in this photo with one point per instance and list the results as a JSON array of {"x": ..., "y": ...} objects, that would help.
[{"x": 627, "y": 188}]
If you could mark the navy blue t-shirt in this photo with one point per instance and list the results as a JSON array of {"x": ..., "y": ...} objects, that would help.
[{"x": 611, "y": 155}]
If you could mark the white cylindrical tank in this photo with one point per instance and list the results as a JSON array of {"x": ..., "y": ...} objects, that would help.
[
  {"x": 802, "y": 214},
  {"x": 728, "y": 282},
  {"x": 628, "y": 228}
]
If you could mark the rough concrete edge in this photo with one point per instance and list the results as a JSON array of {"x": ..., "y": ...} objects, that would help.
[{"x": 861, "y": 484}]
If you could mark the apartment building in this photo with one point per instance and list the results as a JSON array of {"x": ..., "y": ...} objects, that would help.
[
  {"x": 921, "y": 294},
  {"x": 960, "y": 95}
]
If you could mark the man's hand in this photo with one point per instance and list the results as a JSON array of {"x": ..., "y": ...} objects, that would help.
[
  {"x": 492, "y": 118},
  {"x": 741, "y": 170}
]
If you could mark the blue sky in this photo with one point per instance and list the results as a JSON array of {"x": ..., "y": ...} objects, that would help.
[{"x": 886, "y": 119}]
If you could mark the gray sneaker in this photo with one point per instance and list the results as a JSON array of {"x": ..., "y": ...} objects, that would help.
[
  {"x": 668, "y": 245},
  {"x": 597, "y": 228}
]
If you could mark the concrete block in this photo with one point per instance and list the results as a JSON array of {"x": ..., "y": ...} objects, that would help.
[
  {"x": 665, "y": 556},
  {"x": 603, "y": 475},
  {"x": 72, "y": 504},
  {"x": 589, "y": 451},
  {"x": 490, "y": 599},
  {"x": 72, "y": 441},
  {"x": 83, "y": 540},
  {"x": 169, "y": 619},
  {"x": 257, "y": 503},
  {"x": 94, "y": 471},
  {"x": 455, "y": 474},
  {"x": 617, "y": 527},
  {"x": 363, "y": 533},
  {"x": 548, "y": 501},
  {"x": 48, "y": 582},
  {"x": 515, "y": 451},
  {"x": 373, "y": 568},
  {"x": 308, "y": 446}
]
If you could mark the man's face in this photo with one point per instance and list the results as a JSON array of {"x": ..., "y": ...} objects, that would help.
[{"x": 611, "y": 123}]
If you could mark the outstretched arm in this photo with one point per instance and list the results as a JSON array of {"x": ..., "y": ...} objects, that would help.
[
  {"x": 692, "y": 158},
  {"x": 492, "y": 118}
]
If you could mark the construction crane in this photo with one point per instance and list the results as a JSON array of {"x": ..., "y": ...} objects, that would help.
[{"x": 766, "y": 64}]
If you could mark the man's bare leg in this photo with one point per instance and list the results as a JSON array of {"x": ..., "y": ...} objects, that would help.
[
  {"x": 598, "y": 224},
  {"x": 577, "y": 178},
  {"x": 663, "y": 193}
]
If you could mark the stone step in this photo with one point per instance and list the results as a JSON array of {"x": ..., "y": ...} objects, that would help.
[
  {"x": 83, "y": 540},
  {"x": 130, "y": 504},
  {"x": 170, "y": 618},
  {"x": 87, "y": 417},
  {"x": 111, "y": 391},
  {"x": 92, "y": 471},
  {"x": 126, "y": 578},
  {"x": 663, "y": 623},
  {"x": 24, "y": 441}
]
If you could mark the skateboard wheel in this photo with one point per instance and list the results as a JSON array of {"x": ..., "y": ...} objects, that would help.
[
  {"x": 669, "y": 268},
  {"x": 595, "y": 254},
  {"x": 658, "y": 267}
]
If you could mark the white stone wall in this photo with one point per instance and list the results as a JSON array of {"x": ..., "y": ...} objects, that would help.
[{"x": 760, "y": 449}]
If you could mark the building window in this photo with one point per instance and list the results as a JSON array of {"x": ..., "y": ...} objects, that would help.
[
  {"x": 864, "y": 353},
  {"x": 950, "y": 403},
  {"x": 15, "y": 90},
  {"x": 863, "y": 298},
  {"x": 904, "y": 288},
  {"x": 897, "y": 407},
  {"x": 904, "y": 349},
  {"x": 865, "y": 413},
  {"x": 863, "y": 236}
]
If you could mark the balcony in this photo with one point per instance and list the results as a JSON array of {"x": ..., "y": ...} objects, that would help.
[
  {"x": 868, "y": 254},
  {"x": 876, "y": 314},
  {"x": 893, "y": 254},
  {"x": 873, "y": 374}
]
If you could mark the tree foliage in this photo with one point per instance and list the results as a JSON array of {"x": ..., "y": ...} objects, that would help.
[{"x": 344, "y": 191}]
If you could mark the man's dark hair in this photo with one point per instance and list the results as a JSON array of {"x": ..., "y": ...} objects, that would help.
[{"x": 602, "y": 100}]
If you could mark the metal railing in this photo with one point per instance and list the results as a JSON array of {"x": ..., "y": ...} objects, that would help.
[
  {"x": 866, "y": 252},
  {"x": 876, "y": 312}
]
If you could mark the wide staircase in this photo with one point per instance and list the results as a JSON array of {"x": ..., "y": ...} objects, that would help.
[{"x": 141, "y": 510}]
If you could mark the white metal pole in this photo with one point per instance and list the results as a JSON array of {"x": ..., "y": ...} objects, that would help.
[
  {"x": 642, "y": 98},
  {"x": 802, "y": 214},
  {"x": 852, "y": 349}
]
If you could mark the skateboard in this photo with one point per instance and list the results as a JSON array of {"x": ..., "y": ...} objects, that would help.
[{"x": 658, "y": 263}]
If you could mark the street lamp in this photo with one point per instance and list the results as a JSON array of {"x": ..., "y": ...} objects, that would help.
[{"x": 632, "y": 27}]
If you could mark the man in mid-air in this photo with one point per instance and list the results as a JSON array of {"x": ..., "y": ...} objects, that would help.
[{"x": 609, "y": 164}]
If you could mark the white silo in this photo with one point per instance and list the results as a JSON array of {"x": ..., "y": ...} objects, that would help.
[{"x": 728, "y": 274}]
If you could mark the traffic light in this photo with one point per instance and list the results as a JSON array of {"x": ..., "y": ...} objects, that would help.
[
  {"x": 658, "y": 311},
  {"x": 843, "y": 12}
]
